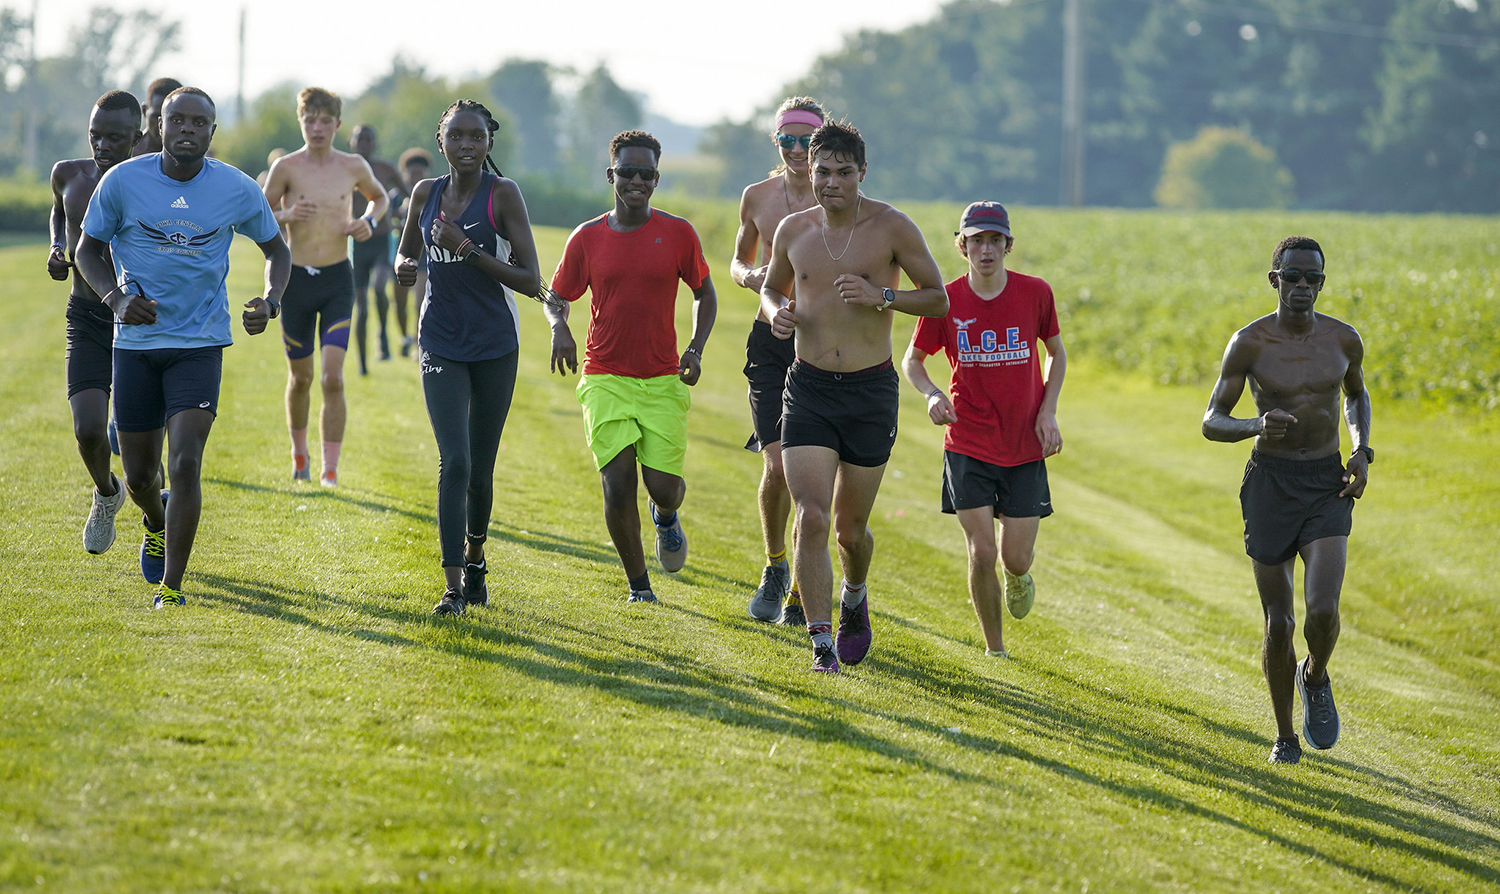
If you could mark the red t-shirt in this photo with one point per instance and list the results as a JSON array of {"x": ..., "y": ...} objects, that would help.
[
  {"x": 633, "y": 277},
  {"x": 997, "y": 369}
]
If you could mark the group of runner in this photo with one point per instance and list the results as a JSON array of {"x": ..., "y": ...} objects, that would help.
[{"x": 149, "y": 238}]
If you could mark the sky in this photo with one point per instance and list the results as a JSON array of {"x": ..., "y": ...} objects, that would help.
[{"x": 697, "y": 61}]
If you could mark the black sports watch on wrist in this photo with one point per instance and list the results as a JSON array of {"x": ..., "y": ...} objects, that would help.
[{"x": 1368, "y": 451}]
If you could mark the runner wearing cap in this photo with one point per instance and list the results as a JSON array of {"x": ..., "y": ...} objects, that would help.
[
  {"x": 842, "y": 395},
  {"x": 767, "y": 358},
  {"x": 1002, "y": 419}
]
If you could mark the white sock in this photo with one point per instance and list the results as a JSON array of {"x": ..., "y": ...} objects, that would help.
[{"x": 852, "y": 596}]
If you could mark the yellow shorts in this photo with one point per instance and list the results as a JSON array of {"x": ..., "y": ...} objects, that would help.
[{"x": 647, "y": 414}]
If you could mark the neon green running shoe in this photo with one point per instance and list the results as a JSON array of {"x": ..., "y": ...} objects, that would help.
[
  {"x": 1020, "y": 592},
  {"x": 165, "y": 595}
]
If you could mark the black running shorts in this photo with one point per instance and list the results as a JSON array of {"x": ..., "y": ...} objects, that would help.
[
  {"x": 1012, "y": 491},
  {"x": 365, "y": 256},
  {"x": 853, "y": 413},
  {"x": 318, "y": 301},
  {"x": 91, "y": 338},
  {"x": 153, "y": 386},
  {"x": 1289, "y": 503},
  {"x": 767, "y": 358}
]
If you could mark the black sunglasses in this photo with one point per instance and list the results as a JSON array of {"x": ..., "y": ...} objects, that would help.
[
  {"x": 630, "y": 172},
  {"x": 787, "y": 141},
  {"x": 1292, "y": 275}
]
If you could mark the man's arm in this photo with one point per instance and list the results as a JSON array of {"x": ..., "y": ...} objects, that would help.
[
  {"x": 928, "y": 299},
  {"x": 361, "y": 228},
  {"x": 1356, "y": 416},
  {"x": 1218, "y": 425},
  {"x": 125, "y": 299},
  {"x": 57, "y": 225},
  {"x": 261, "y": 310},
  {"x": 1046, "y": 416},
  {"x": 746, "y": 244},
  {"x": 914, "y": 364},
  {"x": 778, "y": 284},
  {"x": 705, "y": 311}
]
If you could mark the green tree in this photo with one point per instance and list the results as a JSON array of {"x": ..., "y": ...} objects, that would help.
[
  {"x": 523, "y": 88},
  {"x": 600, "y": 109},
  {"x": 1223, "y": 167}
]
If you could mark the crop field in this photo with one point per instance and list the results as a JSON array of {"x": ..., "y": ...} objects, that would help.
[{"x": 304, "y": 724}]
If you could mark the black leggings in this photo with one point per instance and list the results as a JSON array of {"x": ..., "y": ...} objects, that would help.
[{"x": 467, "y": 404}]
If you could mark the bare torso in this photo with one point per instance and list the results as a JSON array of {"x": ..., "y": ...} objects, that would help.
[
  {"x": 765, "y": 205},
  {"x": 78, "y": 179},
  {"x": 395, "y": 188},
  {"x": 832, "y": 334},
  {"x": 326, "y": 186},
  {"x": 1302, "y": 375}
]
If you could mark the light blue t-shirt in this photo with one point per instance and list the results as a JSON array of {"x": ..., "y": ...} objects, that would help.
[{"x": 172, "y": 239}]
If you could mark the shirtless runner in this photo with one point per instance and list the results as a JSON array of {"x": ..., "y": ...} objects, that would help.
[
  {"x": 762, "y": 207},
  {"x": 310, "y": 190},
  {"x": 1297, "y": 497},
  {"x": 114, "y": 130},
  {"x": 845, "y": 257}
]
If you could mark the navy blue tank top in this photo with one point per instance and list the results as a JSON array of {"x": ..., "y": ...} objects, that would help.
[{"x": 466, "y": 314}]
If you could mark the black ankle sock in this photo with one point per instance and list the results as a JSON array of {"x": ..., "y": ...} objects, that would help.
[{"x": 641, "y": 583}]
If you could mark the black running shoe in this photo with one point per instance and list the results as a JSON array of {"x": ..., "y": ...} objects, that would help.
[
  {"x": 452, "y": 604},
  {"x": 792, "y": 614},
  {"x": 641, "y": 596},
  {"x": 824, "y": 660},
  {"x": 1286, "y": 751},
  {"x": 474, "y": 590},
  {"x": 1320, "y": 719}
]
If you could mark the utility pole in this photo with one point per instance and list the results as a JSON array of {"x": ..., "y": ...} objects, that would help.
[
  {"x": 239, "y": 114},
  {"x": 32, "y": 100},
  {"x": 1073, "y": 104}
]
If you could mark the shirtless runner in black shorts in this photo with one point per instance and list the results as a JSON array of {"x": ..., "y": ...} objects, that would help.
[{"x": 1297, "y": 497}]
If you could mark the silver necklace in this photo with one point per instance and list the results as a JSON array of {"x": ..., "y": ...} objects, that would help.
[{"x": 823, "y": 231}]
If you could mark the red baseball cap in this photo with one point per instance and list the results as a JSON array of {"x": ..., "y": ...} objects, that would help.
[{"x": 982, "y": 217}]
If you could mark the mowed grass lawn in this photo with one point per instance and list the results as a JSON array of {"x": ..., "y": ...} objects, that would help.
[{"x": 305, "y": 724}]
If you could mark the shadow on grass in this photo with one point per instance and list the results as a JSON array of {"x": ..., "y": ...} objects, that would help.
[{"x": 1313, "y": 795}]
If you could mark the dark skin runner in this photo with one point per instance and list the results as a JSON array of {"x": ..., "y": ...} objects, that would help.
[
  {"x": 465, "y": 140},
  {"x": 1298, "y": 364},
  {"x": 113, "y": 135},
  {"x": 188, "y": 125}
]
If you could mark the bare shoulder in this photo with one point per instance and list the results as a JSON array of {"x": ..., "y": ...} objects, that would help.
[
  {"x": 800, "y": 221},
  {"x": 353, "y": 162},
  {"x": 888, "y": 217},
  {"x": 423, "y": 188},
  {"x": 756, "y": 194},
  {"x": 1347, "y": 335},
  {"x": 68, "y": 170}
]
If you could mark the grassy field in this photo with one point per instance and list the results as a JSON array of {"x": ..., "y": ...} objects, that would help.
[{"x": 305, "y": 725}]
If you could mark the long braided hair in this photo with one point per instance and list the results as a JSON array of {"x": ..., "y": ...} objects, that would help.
[{"x": 545, "y": 295}]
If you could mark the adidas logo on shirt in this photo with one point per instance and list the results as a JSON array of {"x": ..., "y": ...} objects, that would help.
[{"x": 180, "y": 203}]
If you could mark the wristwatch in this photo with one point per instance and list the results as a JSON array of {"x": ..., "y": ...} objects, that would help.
[
  {"x": 890, "y": 298},
  {"x": 1368, "y": 451}
]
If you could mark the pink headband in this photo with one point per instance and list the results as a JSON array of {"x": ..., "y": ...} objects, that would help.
[{"x": 798, "y": 116}]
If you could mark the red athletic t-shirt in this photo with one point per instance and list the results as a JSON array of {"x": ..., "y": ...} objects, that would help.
[
  {"x": 997, "y": 369},
  {"x": 633, "y": 277}
]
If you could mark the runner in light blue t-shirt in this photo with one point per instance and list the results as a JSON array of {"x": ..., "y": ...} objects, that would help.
[{"x": 168, "y": 220}]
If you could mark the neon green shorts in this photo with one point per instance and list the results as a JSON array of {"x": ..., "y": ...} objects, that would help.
[{"x": 647, "y": 414}]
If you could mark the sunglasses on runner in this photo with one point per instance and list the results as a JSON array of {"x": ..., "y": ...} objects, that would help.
[
  {"x": 630, "y": 172},
  {"x": 787, "y": 141},
  {"x": 1292, "y": 275}
]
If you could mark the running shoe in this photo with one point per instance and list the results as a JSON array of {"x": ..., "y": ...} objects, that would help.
[
  {"x": 671, "y": 543},
  {"x": 853, "y": 638},
  {"x": 406, "y": 342},
  {"x": 996, "y": 653},
  {"x": 641, "y": 596},
  {"x": 165, "y": 595},
  {"x": 451, "y": 604},
  {"x": 824, "y": 661},
  {"x": 329, "y": 478},
  {"x": 791, "y": 611},
  {"x": 99, "y": 530},
  {"x": 154, "y": 549},
  {"x": 473, "y": 588},
  {"x": 765, "y": 605},
  {"x": 1286, "y": 751},
  {"x": 1320, "y": 719},
  {"x": 301, "y": 474},
  {"x": 1020, "y": 592}
]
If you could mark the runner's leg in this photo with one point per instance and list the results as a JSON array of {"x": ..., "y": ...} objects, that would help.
[
  {"x": 187, "y": 433},
  {"x": 1322, "y": 583},
  {"x": 91, "y": 431},
  {"x": 1278, "y": 651},
  {"x": 622, "y": 515},
  {"x": 984, "y": 584},
  {"x": 810, "y": 475}
]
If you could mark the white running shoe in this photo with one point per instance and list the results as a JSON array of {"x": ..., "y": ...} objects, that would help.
[{"x": 99, "y": 530}]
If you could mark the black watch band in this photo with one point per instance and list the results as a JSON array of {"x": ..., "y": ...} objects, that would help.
[{"x": 1368, "y": 451}]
